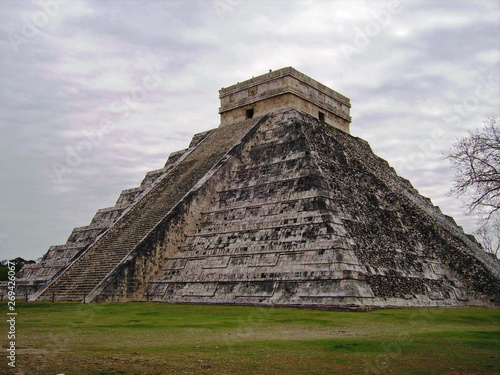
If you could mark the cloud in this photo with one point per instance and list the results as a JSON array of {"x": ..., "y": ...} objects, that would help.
[{"x": 147, "y": 72}]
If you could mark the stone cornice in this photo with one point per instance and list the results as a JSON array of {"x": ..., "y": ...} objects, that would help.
[
  {"x": 289, "y": 71},
  {"x": 281, "y": 91}
]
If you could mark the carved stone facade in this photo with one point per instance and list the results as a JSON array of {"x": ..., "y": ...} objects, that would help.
[
  {"x": 281, "y": 89},
  {"x": 278, "y": 209}
]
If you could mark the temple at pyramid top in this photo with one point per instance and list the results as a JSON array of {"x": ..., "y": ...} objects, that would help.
[{"x": 282, "y": 89}]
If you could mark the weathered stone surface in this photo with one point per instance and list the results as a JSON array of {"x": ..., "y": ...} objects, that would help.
[
  {"x": 86, "y": 272},
  {"x": 278, "y": 209},
  {"x": 305, "y": 214},
  {"x": 282, "y": 89}
]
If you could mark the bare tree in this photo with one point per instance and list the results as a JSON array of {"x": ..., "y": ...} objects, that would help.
[
  {"x": 488, "y": 235},
  {"x": 477, "y": 161}
]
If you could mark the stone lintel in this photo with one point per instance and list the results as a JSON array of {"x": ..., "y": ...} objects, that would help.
[{"x": 281, "y": 89}]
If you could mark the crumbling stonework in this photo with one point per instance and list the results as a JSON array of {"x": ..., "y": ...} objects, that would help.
[
  {"x": 306, "y": 215},
  {"x": 280, "y": 209}
]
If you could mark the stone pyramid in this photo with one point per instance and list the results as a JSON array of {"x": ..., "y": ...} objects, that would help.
[{"x": 278, "y": 206}]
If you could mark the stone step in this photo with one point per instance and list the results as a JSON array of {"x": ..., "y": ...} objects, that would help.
[{"x": 104, "y": 255}]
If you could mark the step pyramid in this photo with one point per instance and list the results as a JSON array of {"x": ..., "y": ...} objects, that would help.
[{"x": 278, "y": 206}]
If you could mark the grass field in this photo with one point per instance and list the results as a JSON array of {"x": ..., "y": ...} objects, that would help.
[{"x": 147, "y": 338}]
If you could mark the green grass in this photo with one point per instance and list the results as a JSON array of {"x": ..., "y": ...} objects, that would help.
[{"x": 147, "y": 338}]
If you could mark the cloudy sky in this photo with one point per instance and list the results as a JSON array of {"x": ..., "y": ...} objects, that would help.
[{"x": 94, "y": 94}]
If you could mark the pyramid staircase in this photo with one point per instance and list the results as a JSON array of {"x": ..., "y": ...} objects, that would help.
[
  {"x": 34, "y": 277},
  {"x": 86, "y": 272}
]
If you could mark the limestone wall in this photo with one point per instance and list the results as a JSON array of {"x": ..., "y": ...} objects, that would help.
[{"x": 284, "y": 88}]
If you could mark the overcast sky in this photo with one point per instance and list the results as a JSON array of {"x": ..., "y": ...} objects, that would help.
[{"x": 94, "y": 94}]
